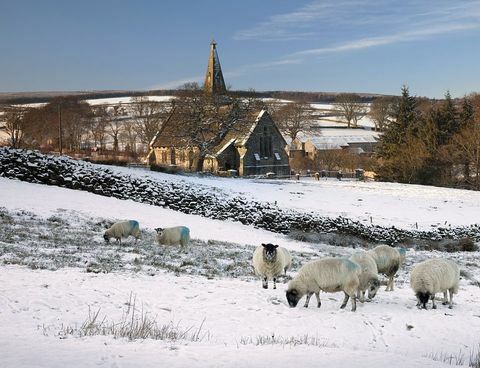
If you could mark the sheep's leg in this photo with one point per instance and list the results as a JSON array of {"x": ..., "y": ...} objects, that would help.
[
  {"x": 265, "y": 283},
  {"x": 418, "y": 302},
  {"x": 274, "y": 282},
  {"x": 445, "y": 299},
  {"x": 354, "y": 303},
  {"x": 434, "y": 306},
  {"x": 319, "y": 303},
  {"x": 450, "y": 292},
  {"x": 345, "y": 300},
  {"x": 390, "y": 284},
  {"x": 307, "y": 300}
]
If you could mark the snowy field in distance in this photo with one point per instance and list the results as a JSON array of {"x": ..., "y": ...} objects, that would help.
[
  {"x": 125, "y": 100},
  {"x": 236, "y": 315}
]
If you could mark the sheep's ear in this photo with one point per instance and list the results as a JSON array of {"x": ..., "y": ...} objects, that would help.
[
  {"x": 264, "y": 245},
  {"x": 276, "y": 246}
]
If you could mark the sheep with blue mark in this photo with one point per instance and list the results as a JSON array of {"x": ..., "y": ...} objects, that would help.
[
  {"x": 388, "y": 260},
  {"x": 435, "y": 276},
  {"x": 173, "y": 236},
  {"x": 330, "y": 275},
  {"x": 123, "y": 229},
  {"x": 368, "y": 277},
  {"x": 270, "y": 261}
]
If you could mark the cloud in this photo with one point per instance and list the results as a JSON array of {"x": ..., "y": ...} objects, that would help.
[
  {"x": 330, "y": 17},
  {"x": 389, "y": 39},
  {"x": 177, "y": 82},
  {"x": 294, "y": 25}
]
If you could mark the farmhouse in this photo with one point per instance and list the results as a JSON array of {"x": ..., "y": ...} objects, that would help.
[
  {"x": 309, "y": 151},
  {"x": 254, "y": 146}
]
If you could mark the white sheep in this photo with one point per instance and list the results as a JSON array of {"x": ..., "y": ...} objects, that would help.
[
  {"x": 173, "y": 235},
  {"x": 271, "y": 261},
  {"x": 123, "y": 229},
  {"x": 388, "y": 261},
  {"x": 434, "y": 276},
  {"x": 327, "y": 274},
  {"x": 369, "y": 276}
]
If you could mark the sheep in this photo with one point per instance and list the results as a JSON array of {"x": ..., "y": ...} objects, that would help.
[
  {"x": 369, "y": 276},
  {"x": 433, "y": 276},
  {"x": 122, "y": 229},
  {"x": 270, "y": 261},
  {"x": 388, "y": 261},
  {"x": 327, "y": 274},
  {"x": 173, "y": 235}
]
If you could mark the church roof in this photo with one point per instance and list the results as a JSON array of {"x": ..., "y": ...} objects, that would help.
[{"x": 173, "y": 133}]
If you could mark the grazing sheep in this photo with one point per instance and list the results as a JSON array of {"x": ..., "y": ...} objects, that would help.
[
  {"x": 173, "y": 235},
  {"x": 270, "y": 261},
  {"x": 369, "y": 276},
  {"x": 388, "y": 261},
  {"x": 328, "y": 274},
  {"x": 122, "y": 229},
  {"x": 434, "y": 276}
]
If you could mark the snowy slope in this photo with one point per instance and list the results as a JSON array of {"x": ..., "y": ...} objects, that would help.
[
  {"x": 237, "y": 316},
  {"x": 387, "y": 204}
]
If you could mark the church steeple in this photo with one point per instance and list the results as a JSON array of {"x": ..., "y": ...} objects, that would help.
[{"x": 214, "y": 82}]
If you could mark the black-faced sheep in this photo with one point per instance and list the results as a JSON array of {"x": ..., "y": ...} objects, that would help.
[
  {"x": 368, "y": 277},
  {"x": 271, "y": 261},
  {"x": 173, "y": 235},
  {"x": 434, "y": 276},
  {"x": 388, "y": 261},
  {"x": 123, "y": 229},
  {"x": 328, "y": 274}
]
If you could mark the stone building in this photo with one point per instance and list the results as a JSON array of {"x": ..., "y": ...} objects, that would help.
[{"x": 253, "y": 147}]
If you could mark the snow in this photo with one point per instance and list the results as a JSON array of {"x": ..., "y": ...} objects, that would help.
[
  {"x": 404, "y": 206},
  {"x": 125, "y": 100},
  {"x": 36, "y": 306},
  {"x": 36, "y": 303}
]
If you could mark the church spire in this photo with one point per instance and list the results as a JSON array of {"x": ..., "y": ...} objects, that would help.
[{"x": 214, "y": 82}]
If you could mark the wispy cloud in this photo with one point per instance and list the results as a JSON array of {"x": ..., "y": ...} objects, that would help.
[
  {"x": 320, "y": 18},
  {"x": 389, "y": 39},
  {"x": 296, "y": 24},
  {"x": 177, "y": 82}
]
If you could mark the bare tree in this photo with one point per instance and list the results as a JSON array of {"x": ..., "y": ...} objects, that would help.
[
  {"x": 293, "y": 118},
  {"x": 115, "y": 124},
  {"x": 381, "y": 111},
  {"x": 129, "y": 136},
  {"x": 350, "y": 108},
  {"x": 207, "y": 118},
  {"x": 98, "y": 126},
  {"x": 15, "y": 125},
  {"x": 148, "y": 117}
]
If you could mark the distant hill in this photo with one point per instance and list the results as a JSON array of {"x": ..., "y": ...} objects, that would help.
[{"x": 45, "y": 96}]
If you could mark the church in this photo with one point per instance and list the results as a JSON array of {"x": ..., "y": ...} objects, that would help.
[{"x": 254, "y": 147}]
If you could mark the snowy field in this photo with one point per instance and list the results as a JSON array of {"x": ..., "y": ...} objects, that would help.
[
  {"x": 56, "y": 274},
  {"x": 386, "y": 204}
]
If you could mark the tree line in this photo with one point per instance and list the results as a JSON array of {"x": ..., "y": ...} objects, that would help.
[
  {"x": 68, "y": 124},
  {"x": 431, "y": 142}
]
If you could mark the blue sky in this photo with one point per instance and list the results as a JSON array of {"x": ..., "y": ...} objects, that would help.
[{"x": 359, "y": 46}]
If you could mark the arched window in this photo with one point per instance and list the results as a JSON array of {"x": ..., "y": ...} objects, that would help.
[{"x": 266, "y": 143}]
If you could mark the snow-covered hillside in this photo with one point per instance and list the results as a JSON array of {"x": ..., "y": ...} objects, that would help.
[
  {"x": 208, "y": 201},
  {"x": 56, "y": 271}
]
